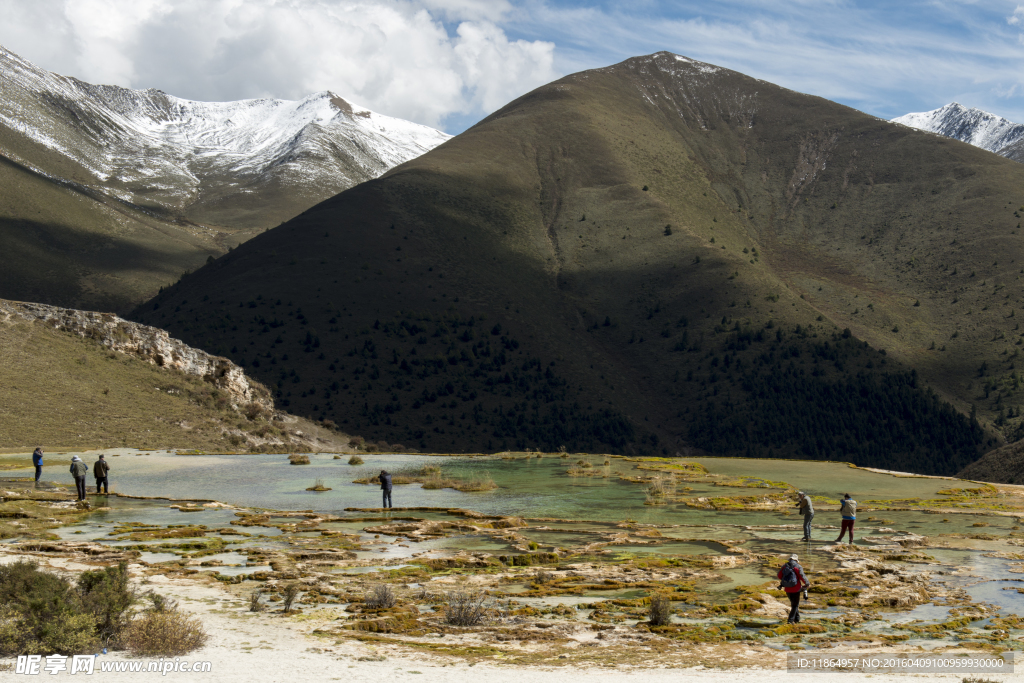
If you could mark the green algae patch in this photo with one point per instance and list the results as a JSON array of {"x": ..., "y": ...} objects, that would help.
[
  {"x": 30, "y": 513},
  {"x": 790, "y": 629},
  {"x": 431, "y": 477},
  {"x": 396, "y": 620},
  {"x": 691, "y": 633},
  {"x": 462, "y": 651},
  {"x": 160, "y": 533}
]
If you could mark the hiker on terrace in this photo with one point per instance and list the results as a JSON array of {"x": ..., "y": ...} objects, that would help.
[
  {"x": 78, "y": 470},
  {"x": 100, "y": 471},
  {"x": 37, "y": 462},
  {"x": 804, "y": 503},
  {"x": 792, "y": 580},
  {"x": 848, "y": 509},
  {"x": 385, "y": 486}
]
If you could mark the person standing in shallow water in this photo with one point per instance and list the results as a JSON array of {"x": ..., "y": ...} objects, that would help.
[
  {"x": 807, "y": 509},
  {"x": 848, "y": 509},
  {"x": 37, "y": 462},
  {"x": 792, "y": 580},
  {"x": 100, "y": 471},
  {"x": 385, "y": 486},
  {"x": 78, "y": 471}
]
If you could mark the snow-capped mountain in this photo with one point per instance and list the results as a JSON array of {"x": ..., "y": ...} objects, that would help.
[
  {"x": 245, "y": 164},
  {"x": 970, "y": 125}
]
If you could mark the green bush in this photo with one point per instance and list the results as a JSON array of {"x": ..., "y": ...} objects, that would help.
[
  {"x": 43, "y": 613},
  {"x": 107, "y": 596}
]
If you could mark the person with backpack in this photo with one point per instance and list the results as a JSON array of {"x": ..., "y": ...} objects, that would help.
[
  {"x": 385, "y": 486},
  {"x": 78, "y": 471},
  {"x": 37, "y": 462},
  {"x": 100, "y": 470},
  {"x": 793, "y": 581},
  {"x": 848, "y": 509},
  {"x": 807, "y": 509}
]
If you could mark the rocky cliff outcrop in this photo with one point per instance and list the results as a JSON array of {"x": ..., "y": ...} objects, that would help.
[{"x": 147, "y": 343}]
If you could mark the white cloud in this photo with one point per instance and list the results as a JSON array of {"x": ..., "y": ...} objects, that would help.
[
  {"x": 1017, "y": 18},
  {"x": 883, "y": 58},
  {"x": 394, "y": 56}
]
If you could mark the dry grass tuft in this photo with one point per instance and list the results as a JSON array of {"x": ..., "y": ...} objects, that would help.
[
  {"x": 658, "y": 491},
  {"x": 297, "y": 459},
  {"x": 381, "y": 597},
  {"x": 483, "y": 482},
  {"x": 661, "y": 610},
  {"x": 288, "y": 595},
  {"x": 254, "y": 601},
  {"x": 167, "y": 634},
  {"x": 319, "y": 485},
  {"x": 355, "y": 460},
  {"x": 463, "y": 608}
]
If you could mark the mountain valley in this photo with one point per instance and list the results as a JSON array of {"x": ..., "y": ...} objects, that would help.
[{"x": 655, "y": 257}]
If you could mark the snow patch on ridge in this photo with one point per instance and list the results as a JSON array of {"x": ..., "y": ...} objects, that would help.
[
  {"x": 970, "y": 125},
  {"x": 147, "y": 139}
]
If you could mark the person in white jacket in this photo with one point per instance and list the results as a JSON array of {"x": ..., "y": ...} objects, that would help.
[{"x": 78, "y": 471}]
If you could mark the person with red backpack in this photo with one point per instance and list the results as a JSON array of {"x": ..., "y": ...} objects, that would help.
[{"x": 793, "y": 581}]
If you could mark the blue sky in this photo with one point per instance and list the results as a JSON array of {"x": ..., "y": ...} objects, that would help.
[
  {"x": 447, "y": 63},
  {"x": 885, "y": 58}
]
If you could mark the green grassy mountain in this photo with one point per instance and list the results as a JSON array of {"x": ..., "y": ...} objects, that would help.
[
  {"x": 651, "y": 257},
  {"x": 76, "y": 379}
]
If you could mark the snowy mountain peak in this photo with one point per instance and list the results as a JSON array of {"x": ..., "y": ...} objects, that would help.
[
  {"x": 154, "y": 149},
  {"x": 967, "y": 124}
]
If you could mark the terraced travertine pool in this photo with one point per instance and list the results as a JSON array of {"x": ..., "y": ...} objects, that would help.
[{"x": 583, "y": 538}]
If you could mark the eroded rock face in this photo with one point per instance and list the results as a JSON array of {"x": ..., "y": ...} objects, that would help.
[{"x": 147, "y": 343}]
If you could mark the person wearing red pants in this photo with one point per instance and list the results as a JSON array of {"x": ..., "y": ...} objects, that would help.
[{"x": 848, "y": 509}]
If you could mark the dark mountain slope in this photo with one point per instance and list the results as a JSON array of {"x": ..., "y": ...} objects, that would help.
[
  {"x": 651, "y": 256},
  {"x": 106, "y": 193}
]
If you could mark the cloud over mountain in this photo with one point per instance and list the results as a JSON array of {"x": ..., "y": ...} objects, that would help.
[{"x": 420, "y": 60}]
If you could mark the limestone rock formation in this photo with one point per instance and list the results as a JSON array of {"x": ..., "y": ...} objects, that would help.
[{"x": 150, "y": 344}]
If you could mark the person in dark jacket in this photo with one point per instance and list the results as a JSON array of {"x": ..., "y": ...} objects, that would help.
[
  {"x": 37, "y": 462},
  {"x": 78, "y": 471},
  {"x": 385, "y": 486},
  {"x": 793, "y": 592},
  {"x": 100, "y": 471}
]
